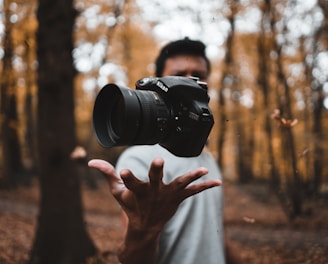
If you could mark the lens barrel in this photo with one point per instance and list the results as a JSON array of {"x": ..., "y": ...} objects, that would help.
[{"x": 123, "y": 116}]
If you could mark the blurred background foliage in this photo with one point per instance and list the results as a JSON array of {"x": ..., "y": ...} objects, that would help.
[{"x": 268, "y": 87}]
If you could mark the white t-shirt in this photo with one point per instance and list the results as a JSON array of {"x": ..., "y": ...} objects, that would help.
[{"x": 194, "y": 235}]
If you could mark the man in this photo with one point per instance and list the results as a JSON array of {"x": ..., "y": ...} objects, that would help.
[{"x": 173, "y": 213}]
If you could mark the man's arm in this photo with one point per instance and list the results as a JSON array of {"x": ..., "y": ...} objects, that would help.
[{"x": 148, "y": 205}]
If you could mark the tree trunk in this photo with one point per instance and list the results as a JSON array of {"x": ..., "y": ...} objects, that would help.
[
  {"x": 61, "y": 236},
  {"x": 321, "y": 43},
  {"x": 264, "y": 48},
  {"x": 11, "y": 151},
  {"x": 29, "y": 106},
  {"x": 294, "y": 187},
  {"x": 228, "y": 64},
  {"x": 291, "y": 189}
]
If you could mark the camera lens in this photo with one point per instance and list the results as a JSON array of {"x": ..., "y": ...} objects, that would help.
[
  {"x": 115, "y": 122},
  {"x": 123, "y": 116}
]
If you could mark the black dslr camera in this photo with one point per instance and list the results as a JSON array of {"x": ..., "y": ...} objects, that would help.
[{"x": 172, "y": 111}]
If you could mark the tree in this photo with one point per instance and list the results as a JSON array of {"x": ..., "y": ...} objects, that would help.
[
  {"x": 29, "y": 56},
  {"x": 321, "y": 43},
  {"x": 291, "y": 188},
  {"x": 61, "y": 236},
  {"x": 227, "y": 78},
  {"x": 264, "y": 47},
  {"x": 235, "y": 112},
  {"x": 11, "y": 161}
]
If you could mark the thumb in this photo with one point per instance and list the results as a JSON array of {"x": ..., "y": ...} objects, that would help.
[
  {"x": 103, "y": 166},
  {"x": 114, "y": 181}
]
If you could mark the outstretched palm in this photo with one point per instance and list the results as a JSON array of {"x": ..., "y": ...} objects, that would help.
[{"x": 149, "y": 205}]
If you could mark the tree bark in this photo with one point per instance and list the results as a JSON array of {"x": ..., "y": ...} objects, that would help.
[{"x": 61, "y": 236}]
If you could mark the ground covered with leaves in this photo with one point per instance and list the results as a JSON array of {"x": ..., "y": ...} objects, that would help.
[{"x": 255, "y": 223}]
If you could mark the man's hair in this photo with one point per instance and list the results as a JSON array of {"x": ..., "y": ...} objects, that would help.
[{"x": 184, "y": 46}]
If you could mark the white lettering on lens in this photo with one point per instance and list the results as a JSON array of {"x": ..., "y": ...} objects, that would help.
[{"x": 162, "y": 86}]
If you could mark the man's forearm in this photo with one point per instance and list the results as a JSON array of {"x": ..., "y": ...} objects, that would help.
[{"x": 139, "y": 247}]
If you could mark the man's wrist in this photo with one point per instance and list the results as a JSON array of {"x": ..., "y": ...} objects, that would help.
[{"x": 139, "y": 244}]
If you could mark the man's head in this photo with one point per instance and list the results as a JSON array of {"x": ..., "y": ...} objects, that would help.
[{"x": 183, "y": 58}]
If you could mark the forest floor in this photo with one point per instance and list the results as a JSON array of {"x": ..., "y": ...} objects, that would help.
[{"x": 255, "y": 223}]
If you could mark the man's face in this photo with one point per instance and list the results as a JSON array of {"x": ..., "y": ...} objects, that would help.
[{"x": 186, "y": 65}]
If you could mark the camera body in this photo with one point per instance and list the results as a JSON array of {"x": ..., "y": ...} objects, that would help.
[{"x": 172, "y": 111}]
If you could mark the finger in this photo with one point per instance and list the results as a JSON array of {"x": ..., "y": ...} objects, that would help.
[
  {"x": 156, "y": 172},
  {"x": 114, "y": 181},
  {"x": 189, "y": 177},
  {"x": 200, "y": 187},
  {"x": 104, "y": 167},
  {"x": 131, "y": 182}
]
